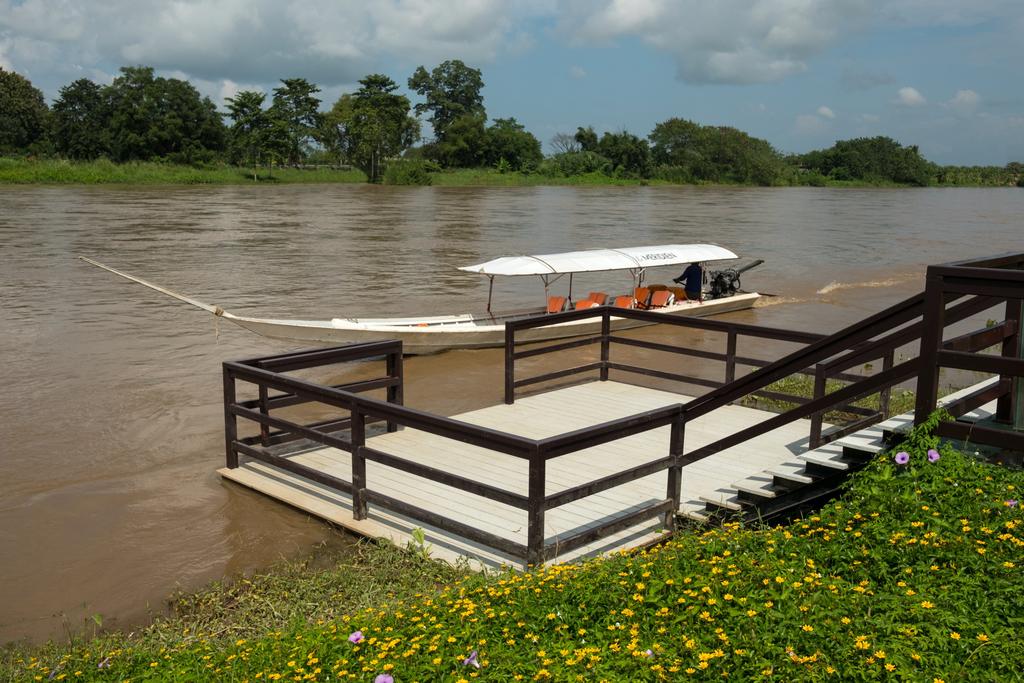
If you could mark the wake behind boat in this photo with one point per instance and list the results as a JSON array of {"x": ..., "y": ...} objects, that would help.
[{"x": 431, "y": 334}]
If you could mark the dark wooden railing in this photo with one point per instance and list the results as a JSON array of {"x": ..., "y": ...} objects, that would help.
[
  {"x": 823, "y": 357},
  {"x": 267, "y": 374},
  {"x": 1001, "y": 278}
]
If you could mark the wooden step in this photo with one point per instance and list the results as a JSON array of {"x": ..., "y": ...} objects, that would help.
[
  {"x": 825, "y": 460},
  {"x": 724, "y": 498},
  {"x": 699, "y": 516},
  {"x": 756, "y": 488},
  {"x": 791, "y": 474}
]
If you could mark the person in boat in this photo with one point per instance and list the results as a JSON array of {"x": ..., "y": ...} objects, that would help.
[{"x": 692, "y": 280}]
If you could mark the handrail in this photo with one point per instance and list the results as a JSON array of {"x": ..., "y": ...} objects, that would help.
[
  {"x": 843, "y": 339},
  {"x": 504, "y": 442}
]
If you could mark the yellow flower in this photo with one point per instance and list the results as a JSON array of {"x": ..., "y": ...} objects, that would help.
[
  {"x": 954, "y": 635},
  {"x": 807, "y": 627},
  {"x": 982, "y": 637},
  {"x": 927, "y": 605}
]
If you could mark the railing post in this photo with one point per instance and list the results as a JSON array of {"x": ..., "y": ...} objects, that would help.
[
  {"x": 818, "y": 417},
  {"x": 510, "y": 363},
  {"x": 885, "y": 396},
  {"x": 535, "y": 511},
  {"x": 606, "y": 331},
  {"x": 358, "y": 463},
  {"x": 264, "y": 410},
  {"x": 396, "y": 392},
  {"x": 230, "y": 420},
  {"x": 675, "y": 470},
  {"x": 934, "y": 312},
  {"x": 1011, "y": 349},
  {"x": 730, "y": 356}
]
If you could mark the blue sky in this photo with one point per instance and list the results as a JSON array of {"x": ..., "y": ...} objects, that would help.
[{"x": 942, "y": 74}]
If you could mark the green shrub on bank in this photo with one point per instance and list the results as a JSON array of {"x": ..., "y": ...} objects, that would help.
[
  {"x": 405, "y": 172},
  {"x": 914, "y": 574}
]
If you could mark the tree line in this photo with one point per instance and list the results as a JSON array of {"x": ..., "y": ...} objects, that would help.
[{"x": 141, "y": 116}]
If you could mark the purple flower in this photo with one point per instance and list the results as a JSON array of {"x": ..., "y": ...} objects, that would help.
[
  {"x": 1012, "y": 503},
  {"x": 902, "y": 458},
  {"x": 355, "y": 637},
  {"x": 648, "y": 653},
  {"x": 104, "y": 663},
  {"x": 471, "y": 659},
  {"x": 384, "y": 678},
  {"x": 933, "y": 455}
]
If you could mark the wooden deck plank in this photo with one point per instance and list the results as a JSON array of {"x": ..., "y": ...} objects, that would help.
[{"x": 538, "y": 416}]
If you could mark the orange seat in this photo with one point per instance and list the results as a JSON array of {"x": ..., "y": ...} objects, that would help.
[
  {"x": 657, "y": 288},
  {"x": 598, "y": 298},
  {"x": 586, "y": 303},
  {"x": 660, "y": 299},
  {"x": 556, "y": 304},
  {"x": 642, "y": 295},
  {"x": 623, "y": 302},
  {"x": 679, "y": 293}
]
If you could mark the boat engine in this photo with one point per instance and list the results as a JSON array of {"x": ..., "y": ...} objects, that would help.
[{"x": 726, "y": 282}]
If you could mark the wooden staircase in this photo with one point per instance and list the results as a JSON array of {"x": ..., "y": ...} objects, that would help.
[{"x": 793, "y": 488}]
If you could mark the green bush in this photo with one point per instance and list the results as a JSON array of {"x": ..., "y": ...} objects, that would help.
[{"x": 404, "y": 172}]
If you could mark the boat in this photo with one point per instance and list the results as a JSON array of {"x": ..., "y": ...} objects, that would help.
[{"x": 431, "y": 334}]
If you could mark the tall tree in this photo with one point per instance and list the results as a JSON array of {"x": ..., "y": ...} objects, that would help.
[
  {"x": 586, "y": 138},
  {"x": 565, "y": 143},
  {"x": 333, "y": 133},
  {"x": 464, "y": 144},
  {"x": 628, "y": 154},
  {"x": 80, "y": 121},
  {"x": 297, "y": 108},
  {"x": 153, "y": 117},
  {"x": 374, "y": 125},
  {"x": 452, "y": 93},
  {"x": 23, "y": 113},
  {"x": 249, "y": 128},
  {"x": 509, "y": 141}
]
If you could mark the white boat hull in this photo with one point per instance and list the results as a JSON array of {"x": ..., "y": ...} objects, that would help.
[{"x": 460, "y": 331}]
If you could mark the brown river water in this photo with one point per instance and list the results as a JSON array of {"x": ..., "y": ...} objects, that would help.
[{"x": 112, "y": 424}]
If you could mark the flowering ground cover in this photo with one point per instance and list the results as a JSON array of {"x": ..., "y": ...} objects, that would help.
[{"x": 913, "y": 574}]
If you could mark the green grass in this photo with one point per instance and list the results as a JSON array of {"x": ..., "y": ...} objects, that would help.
[
  {"x": 914, "y": 574},
  {"x": 474, "y": 177},
  {"x": 900, "y": 400},
  {"x": 57, "y": 172}
]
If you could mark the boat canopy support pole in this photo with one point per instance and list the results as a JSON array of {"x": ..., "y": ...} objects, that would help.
[
  {"x": 570, "y": 288},
  {"x": 490, "y": 292},
  {"x": 548, "y": 281}
]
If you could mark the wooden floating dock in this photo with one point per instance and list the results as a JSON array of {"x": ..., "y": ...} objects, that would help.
[
  {"x": 605, "y": 464},
  {"x": 536, "y": 417}
]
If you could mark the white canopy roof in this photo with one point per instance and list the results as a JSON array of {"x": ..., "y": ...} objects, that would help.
[{"x": 627, "y": 258}]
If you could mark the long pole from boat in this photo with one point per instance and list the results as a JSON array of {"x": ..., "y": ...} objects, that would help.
[
  {"x": 216, "y": 310},
  {"x": 490, "y": 291}
]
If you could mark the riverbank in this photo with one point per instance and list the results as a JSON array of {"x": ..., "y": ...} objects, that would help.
[
  {"x": 913, "y": 573},
  {"x": 103, "y": 172}
]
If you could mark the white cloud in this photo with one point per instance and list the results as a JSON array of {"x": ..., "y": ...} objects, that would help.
[
  {"x": 327, "y": 41},
  {"x": 910, "y": 97},
  {"x": 577, "y": 72},
  {"x": 826, "y": 112},
  {"x": 726, "y": 41},
  {"x": 964, "y": 102}
]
